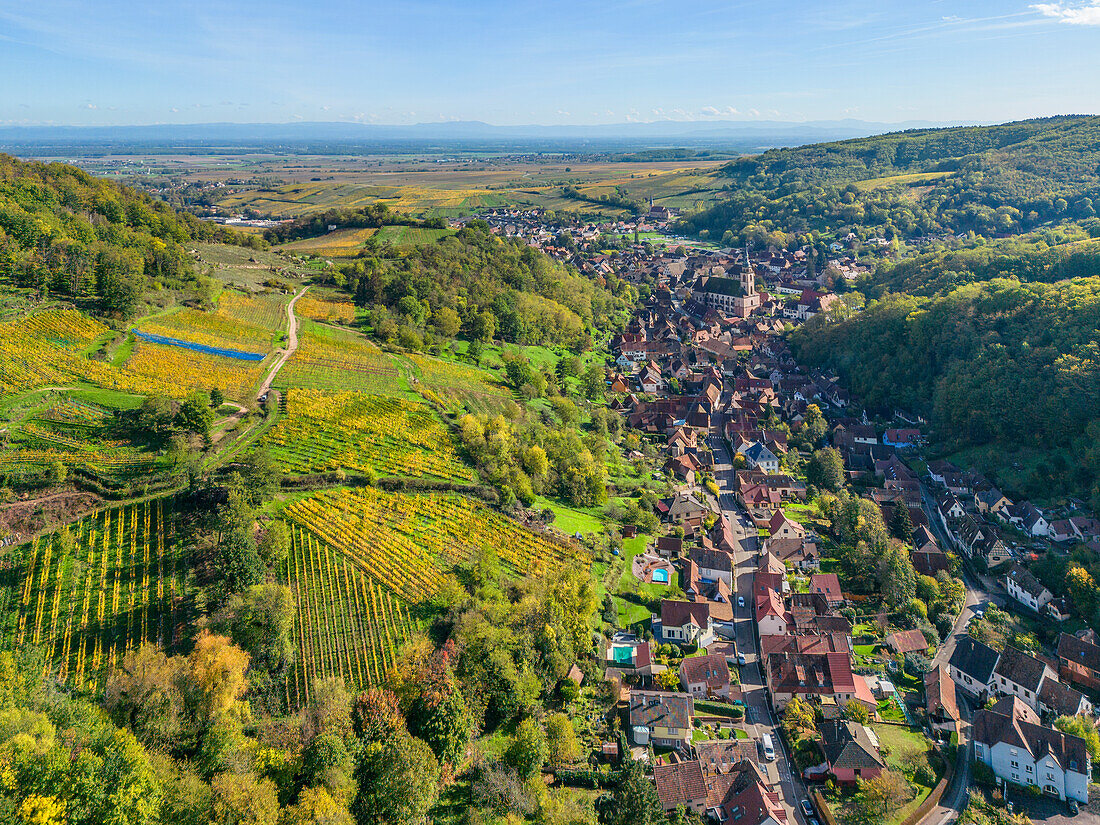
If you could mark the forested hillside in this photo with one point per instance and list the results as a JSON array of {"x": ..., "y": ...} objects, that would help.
[
  {"x": 1000, "y": 363},
  {"x": 989, "y": 179},
  {"x": 487, "y": 287},
  {"x": 65, "y": 231}
]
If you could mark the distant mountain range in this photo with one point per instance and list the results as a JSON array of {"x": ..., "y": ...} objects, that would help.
[{"x": 735, "y": 134}]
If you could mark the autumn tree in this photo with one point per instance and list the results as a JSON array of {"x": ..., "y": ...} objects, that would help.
[
  {"x": 217, "y": 674},
  {"x": 886, "y": 792}
]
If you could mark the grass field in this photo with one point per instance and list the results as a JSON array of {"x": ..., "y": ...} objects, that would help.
[
  {"x": 353, "y": 431},
  {"x": 336, "y": 360},
  {"x": 410, "y": 542},
  {"x": 90, "y": 592}
]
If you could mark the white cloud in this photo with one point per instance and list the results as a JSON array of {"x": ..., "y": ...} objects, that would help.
[
  {"x": 719, "y": 111},
  {"x": 1076, "y": 14}
]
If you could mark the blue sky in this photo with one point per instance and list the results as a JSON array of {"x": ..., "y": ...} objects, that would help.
[{"x": 553, "y": 61}]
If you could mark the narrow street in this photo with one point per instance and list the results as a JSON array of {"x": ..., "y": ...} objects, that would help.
[{"x": 759, "y": 717}]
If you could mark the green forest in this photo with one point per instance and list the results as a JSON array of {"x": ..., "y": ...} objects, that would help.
[
  {"x": 65, "y": 232},
  {"x": 487, "y": 287},
  {"x": 1003, "y": 363},
  {"x": 992, "y": 180}
]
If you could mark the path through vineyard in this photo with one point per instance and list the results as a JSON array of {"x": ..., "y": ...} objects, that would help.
[{"x": 291, "y": 344}]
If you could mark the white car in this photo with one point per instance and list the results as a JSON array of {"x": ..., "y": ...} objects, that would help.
[{"x": 740, "y": 601}]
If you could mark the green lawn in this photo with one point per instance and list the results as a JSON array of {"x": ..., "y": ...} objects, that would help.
[
  {"x": 570, "y": 520},
  {"x": 889, "y": 711},
  {"x": 866, "y": 650}
]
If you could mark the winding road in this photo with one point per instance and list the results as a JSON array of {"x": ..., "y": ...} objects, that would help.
[{"x": 291, "y": 345}]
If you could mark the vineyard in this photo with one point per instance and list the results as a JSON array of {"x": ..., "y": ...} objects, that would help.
[
  {"x": 95, "y": 589},
  {"x": 456, "y": 386},
  {"x": 347, "y": 625},
  {"x": 389, "y": 435},
  {"x": 175, "y": 372},
  {"x": 330, "y": 311},
  {"x": 336, "y": 361},
  {"x": 409, "y": 542},
  {"x": 45, "y": 349}
]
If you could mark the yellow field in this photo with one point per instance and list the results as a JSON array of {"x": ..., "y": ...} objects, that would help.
[
  {"x": 340, "y": 242},
  {"x": 329, "y": 311}
]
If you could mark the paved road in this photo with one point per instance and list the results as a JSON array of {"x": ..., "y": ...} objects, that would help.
[{"x": 760, "y": 719}]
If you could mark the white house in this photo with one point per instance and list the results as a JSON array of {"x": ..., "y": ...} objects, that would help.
[
  {"x": 686, "y": 623},
  {"x": 1026, "y": 589},
  {"x": 760, "y": 457},
  {"x": 772, "y": 619},
  {"x": 1010, "y": 740},
  {"x": 971, "y": 666},
  {"x": 1021, "y": 675}
]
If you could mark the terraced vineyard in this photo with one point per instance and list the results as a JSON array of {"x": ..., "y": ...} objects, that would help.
[
  {"x": 347, "y": 625},
  {"x": 96, "y": 589},
  {"x": 389, "y": 435},
  {"x": 456, "y": 386},
  {"x": 409, "y": 542},
  {"x": 45, "y": 349},
  {"x": 336, "y": 361}
]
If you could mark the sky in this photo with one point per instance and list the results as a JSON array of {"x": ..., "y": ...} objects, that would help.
[{"x": 117, "y": 62}]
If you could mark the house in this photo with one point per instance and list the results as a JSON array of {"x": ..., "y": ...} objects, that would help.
[
  {"x": 1079, "y": 661},
  {"x": 681, "y": 783},
  {"x": 950, "y": 507},
  {"x": 849, "y": 751},
  {"x": 790, "y": 674},
  {"x": 706, "y": 677},
  {"x": 828, "y": 584},
  {"x": 713, "y": 564},
  {"x": 631, "y": 654},
  {"x": 724, "y": 755},
  {"x": 686, "y": 623},
  {"x": 1020, "y": 674},
  {"x": 662, "y": 719},
  {"x": 761, "y": 458},
  {"x": 930, "y": 560},
  {"x": 1028, "y": 518},
  {"x": 939, "y": 699},
  {"x": 903, "y": 439},
  {"x": 1061, "y": 530},
  {"x": 772, "y": 619},
  {"x": 991, "y": 501},
  {"x": 907, "y": 641},
  {"x": 971, "y": 666},
  {"x": 1058, "y": 699},
  {"x": 801, "y": 554},
  {"x": 782, "y": 527},
  {"x": 685, "y": 507},
  {"x": 1026, "y": 589},
  {"x": 669, "y": 546},
  {"x": 1057, "y": 609},
  {"x": 742, "y": 797},
  {"x": 1011, "y": 741}
]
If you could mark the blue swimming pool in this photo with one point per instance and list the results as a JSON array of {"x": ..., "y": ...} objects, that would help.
[
  {"x": 660, "y": 576},
  {"x": 176, "y": 342}
]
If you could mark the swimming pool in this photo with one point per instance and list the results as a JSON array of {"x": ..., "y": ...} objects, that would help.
[{"x": 660, "y": 576}]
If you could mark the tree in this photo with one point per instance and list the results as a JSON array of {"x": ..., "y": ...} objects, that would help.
[
  {"x": 56, "y": 473},
  {"x": 237, "y": 560},
  {"x": 1081, "y": 726},
  {"x": 274, "y": 544},
  {"x": 242, "y": 799},
  {"x": 432, "y": 700},
  {"x": 484, "y": 327},
  {"x": 446, "y": 322},
  {"x": 561, "y": 739},
  {"x": 901, "y": 525},
  {"x": 814, "y": 427},
  {"x": 315, "y": 806},
  {"x": 398, "y": 781},
  {"x": 633, "y": 801},
  {"x": 798, "y": 716},
  {"x": 217, "y": 398},
  {"x": 145, "y": 693},
  {"x": 667, "y": 679},
  {"x": 527, "y": 751},
  {"x": 856, "y": 712},
  {"x": 593, "y": 383},
  {"x": 897, "y": 578},
  {"x": 826, "y": 470},
  {"x": 886, "y": 792},
  {"x": 1082, "y": 589},
  {"x": 194, "y": 415},
  {"x": 261, "y": 620},
  {"x": 217, "y": 674}
]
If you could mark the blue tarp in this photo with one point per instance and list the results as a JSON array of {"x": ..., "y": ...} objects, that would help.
[{"x": 176, "y": 342}]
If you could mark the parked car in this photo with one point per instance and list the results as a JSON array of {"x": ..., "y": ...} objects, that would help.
[
  {"x": 740, "y": 601},
  {"x": 769, "y": 748},
  {"x": 807, "y": 808},
  {"x": 741, "y": 660}
]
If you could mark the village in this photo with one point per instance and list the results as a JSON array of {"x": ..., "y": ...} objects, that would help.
[{"x": 774, "y": 682}]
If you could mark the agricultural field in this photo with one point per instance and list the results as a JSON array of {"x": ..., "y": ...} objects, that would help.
[
  {"x": 248, "y": 269},
  {"x": 336, "y": 360},
  {"x": 409, "y": 543},
  {"x": 46, "y": 348},
  {"x": 175, "y": 371},
  {"x": 338, "y": 244},
  {"x": 331, "y": 312},
  {"x": 91, "y": 591},
  {"x": 456, "y": 387},
  {"x": 60, "y": 427},
  {"x": 346, "y": 625},
  {"x": 388, "y": 435}
]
